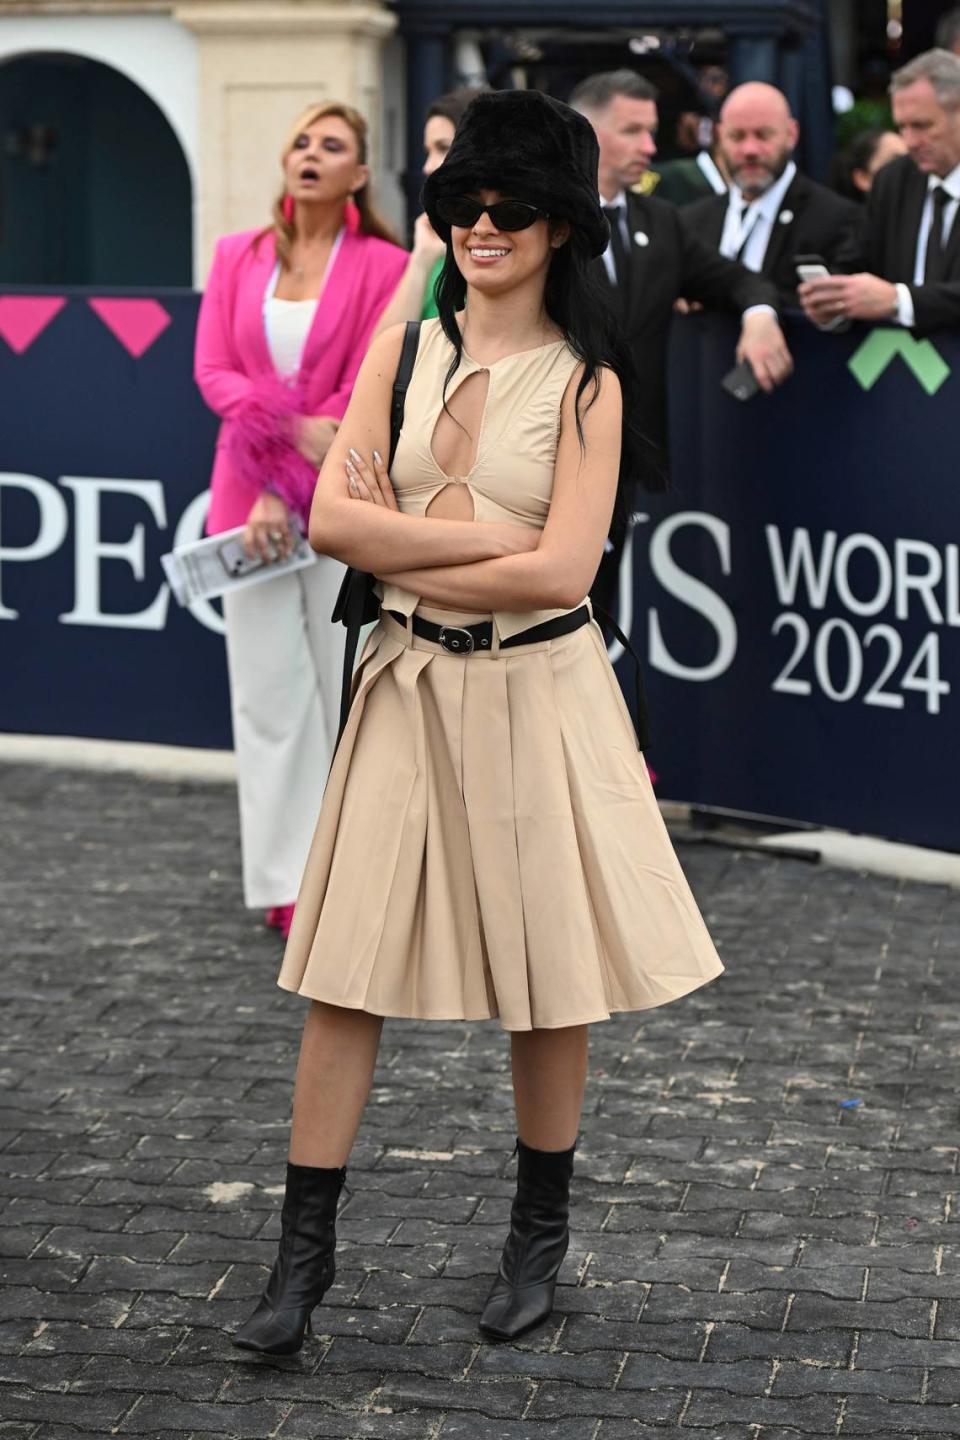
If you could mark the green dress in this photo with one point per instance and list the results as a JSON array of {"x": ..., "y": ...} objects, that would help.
[{"x": 430, "y": 311}]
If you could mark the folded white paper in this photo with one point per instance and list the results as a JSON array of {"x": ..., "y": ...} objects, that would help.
[{"x": 216, "y": 565}]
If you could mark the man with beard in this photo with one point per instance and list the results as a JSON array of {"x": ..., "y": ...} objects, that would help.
[
  {"x": 773, "y": 213},
  {"x": 912, "y": 274},
  {"x": 651, "y": 263}
]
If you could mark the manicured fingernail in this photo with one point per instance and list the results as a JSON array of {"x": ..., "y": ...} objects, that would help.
[
  {"x": 376, "y": 456},
  {"x": 353, "y": 483},
  {"x": 355, "y": 457}
]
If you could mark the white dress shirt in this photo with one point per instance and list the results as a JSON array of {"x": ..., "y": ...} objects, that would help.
[
  {"x": 747, "y": 227},
  {"x": 905, "y": 312},
  {"x": 619, "y": 202},
  {"x": 288, "y": 322}
]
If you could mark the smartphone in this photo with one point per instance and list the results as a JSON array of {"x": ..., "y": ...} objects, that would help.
[
  {"x": 814, "y": 267},
  {"x": 235, "y": 559},
  {"x": 740, "y": 382},
  {"x": 810, "y": 267}
]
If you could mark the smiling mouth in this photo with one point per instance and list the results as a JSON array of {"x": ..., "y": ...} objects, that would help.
[{"x": 486, "y": 253}]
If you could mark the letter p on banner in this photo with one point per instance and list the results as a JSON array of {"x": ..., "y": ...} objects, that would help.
[{"x": 51, "y": 529}]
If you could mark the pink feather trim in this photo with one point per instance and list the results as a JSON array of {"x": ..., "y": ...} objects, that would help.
[{"x": 262, "y": 448}]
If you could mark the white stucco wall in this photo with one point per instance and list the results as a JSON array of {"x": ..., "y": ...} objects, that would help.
[
  {"x": 157, "y": 54},
  {"x": 387, "y": 185}
]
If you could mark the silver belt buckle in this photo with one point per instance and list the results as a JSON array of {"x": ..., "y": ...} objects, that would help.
[{"x": 456, "y": 640}]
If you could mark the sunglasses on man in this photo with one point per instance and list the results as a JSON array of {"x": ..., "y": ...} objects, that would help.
[{"x": 506, "y": 215}]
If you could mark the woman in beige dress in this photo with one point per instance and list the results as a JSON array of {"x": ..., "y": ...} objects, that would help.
[{"x": 489, "y": 843}]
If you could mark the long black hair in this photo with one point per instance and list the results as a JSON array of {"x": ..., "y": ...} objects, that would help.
[
  {"x": 575, "y": 301},
  {"x": 857, "y": 156}
]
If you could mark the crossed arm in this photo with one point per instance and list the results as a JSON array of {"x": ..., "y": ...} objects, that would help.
[{"x": 468, "y": 564}]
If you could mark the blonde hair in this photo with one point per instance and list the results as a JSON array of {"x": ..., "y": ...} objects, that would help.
[{"x": 371, "y": 222}]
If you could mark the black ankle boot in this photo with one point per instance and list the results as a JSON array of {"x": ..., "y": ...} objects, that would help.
[
  {"x": 522, "y": 1294},
  {"x": 304, "y": 1268}
]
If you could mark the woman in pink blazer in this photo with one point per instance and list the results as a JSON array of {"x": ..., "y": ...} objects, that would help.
[{"x": 284, "y": 324}]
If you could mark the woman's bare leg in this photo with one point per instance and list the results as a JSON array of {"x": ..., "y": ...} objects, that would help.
[
  {"x": 338, "y": 1053},
  {"x": 549, "y": 1076}
]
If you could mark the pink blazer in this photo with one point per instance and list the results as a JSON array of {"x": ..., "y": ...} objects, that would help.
[{"x": 235, "y": 372}]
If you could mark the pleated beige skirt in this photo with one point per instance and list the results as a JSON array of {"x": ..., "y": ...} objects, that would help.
[{"x": 489, "y": 845}]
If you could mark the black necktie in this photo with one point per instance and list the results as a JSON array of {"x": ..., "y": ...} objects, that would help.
[
  {"x": 621, "y": 261},
  {"x": 934, "y": 266},
  {"x": 745, "y": 234}
]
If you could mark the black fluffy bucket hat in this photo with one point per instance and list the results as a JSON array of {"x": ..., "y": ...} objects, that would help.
[{"x": 532, "y": 148}]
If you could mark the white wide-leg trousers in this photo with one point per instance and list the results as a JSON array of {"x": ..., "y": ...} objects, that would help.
[{"x": 285, "y": 660}]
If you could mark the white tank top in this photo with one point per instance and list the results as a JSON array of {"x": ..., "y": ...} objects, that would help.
[
  {"x": 288, "y": 322},
  {"x": 288, "y": 325}
]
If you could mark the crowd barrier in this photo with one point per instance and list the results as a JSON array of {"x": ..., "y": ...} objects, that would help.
[{"x": 795, "y": 597}]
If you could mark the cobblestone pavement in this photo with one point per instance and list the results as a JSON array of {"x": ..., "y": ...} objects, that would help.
[{"x": 764, "y": 1246}]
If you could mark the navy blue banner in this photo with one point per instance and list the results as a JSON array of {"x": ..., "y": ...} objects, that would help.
[
  {"x": 796, "y": 597},
  {"x": 105, "y": 454}
]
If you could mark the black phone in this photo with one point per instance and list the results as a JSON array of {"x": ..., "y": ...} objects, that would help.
[{"x": 740, "y": 382}]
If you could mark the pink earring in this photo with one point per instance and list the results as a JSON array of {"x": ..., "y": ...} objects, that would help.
[
  {"x": 351, "y": 216},
  {"x": 287, "y": 208}
]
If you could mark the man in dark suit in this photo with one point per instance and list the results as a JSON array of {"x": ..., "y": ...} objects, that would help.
[
  {"x": 652, "y": 262},
  {"x": 773, "y": 213},
  {"x": 913, "y": 241}
]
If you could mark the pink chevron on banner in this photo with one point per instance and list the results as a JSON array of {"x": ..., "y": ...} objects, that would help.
[
  {"x": 136, "y": 323},
  {"x": 24, "y": 317}
]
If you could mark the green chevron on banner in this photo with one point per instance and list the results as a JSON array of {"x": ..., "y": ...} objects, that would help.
[{"x": 870, "y": 360}]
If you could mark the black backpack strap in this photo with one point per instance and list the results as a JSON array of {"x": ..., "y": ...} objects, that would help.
[
  {"x": 401, "y": 384},
  {"x": 357, "y": 604},
  {"x": 642, "y": 722}
]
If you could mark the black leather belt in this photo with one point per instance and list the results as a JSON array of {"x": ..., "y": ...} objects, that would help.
[{"x": 464, "y": 639}]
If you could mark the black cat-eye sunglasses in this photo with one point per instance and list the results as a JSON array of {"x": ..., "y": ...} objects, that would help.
[{"x": 506, "y": 215}]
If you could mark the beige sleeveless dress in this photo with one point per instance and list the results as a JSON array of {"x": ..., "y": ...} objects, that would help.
[{"x": 489, "y": 843}]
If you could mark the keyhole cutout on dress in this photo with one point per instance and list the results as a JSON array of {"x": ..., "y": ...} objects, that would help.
[{"x": 455, "y": 444}]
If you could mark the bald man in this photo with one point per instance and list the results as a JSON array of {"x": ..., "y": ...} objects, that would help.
[{"x": 773, "y": 213}]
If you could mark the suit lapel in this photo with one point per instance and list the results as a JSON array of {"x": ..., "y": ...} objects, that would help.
[
  {"x": 715, "y": 217},
  {"x": 782, "y": 229},
  {"x": 907, "y": 223},
  {"x": 636, "y": 248},
  {"x": 953, "y": 245},
  {"x": 254, "y": 281},
  {"x": 640, "y": 238},
  {"x": 340, "y": 283}
]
